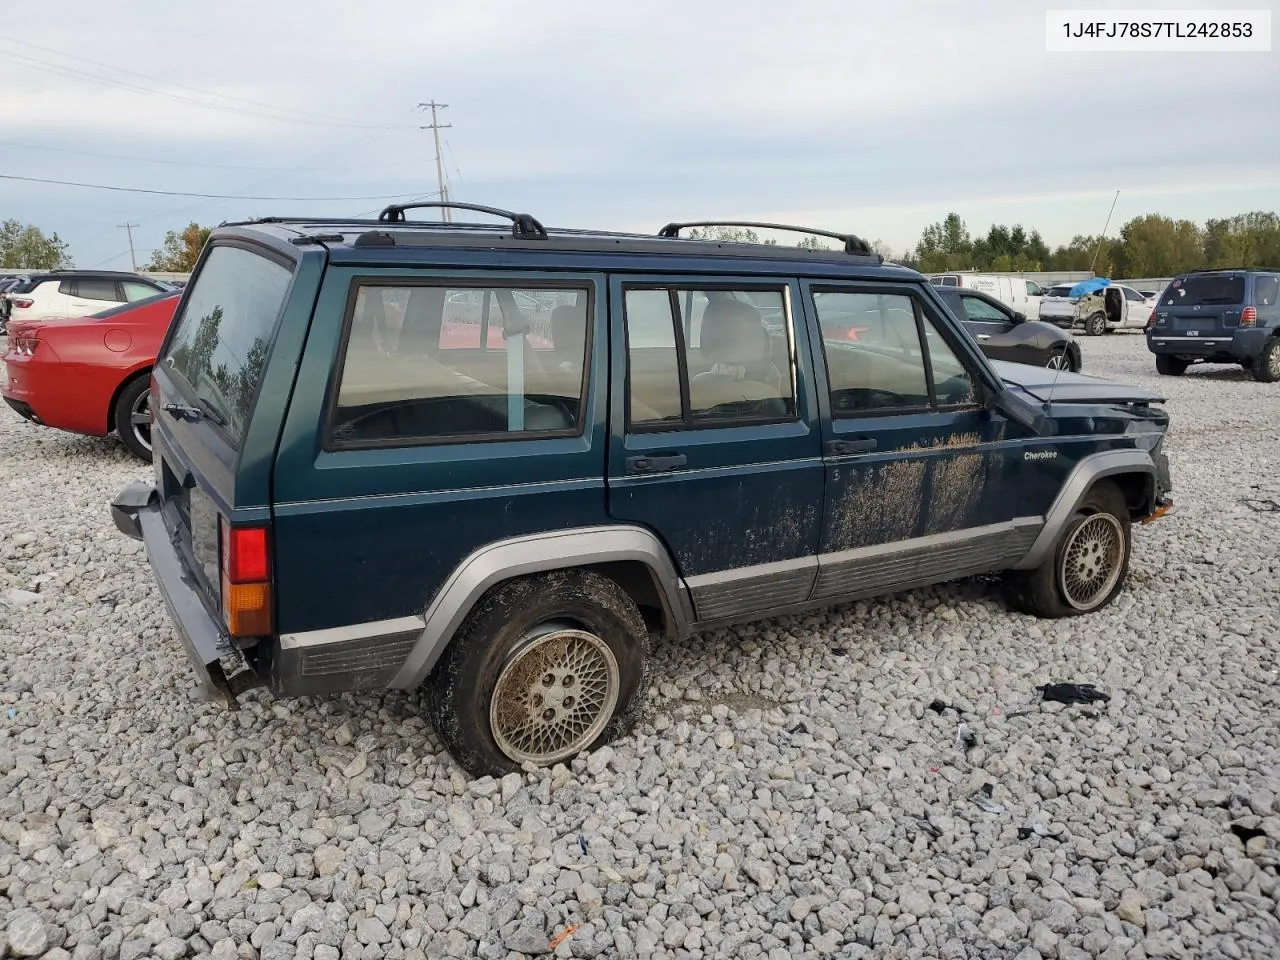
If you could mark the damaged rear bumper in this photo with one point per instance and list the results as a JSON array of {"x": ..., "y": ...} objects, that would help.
[{"x": 136, "y": 513}]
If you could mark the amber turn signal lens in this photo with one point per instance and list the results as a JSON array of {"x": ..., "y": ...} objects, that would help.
[{"x": 246, "y": 607}]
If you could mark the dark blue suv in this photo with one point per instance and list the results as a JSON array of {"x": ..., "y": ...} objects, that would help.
[
  {"x": 496, "y": 461},
  {"x": 1219, "y": 316}
]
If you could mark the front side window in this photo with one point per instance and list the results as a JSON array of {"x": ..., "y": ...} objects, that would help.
[
  {"x": 975, "y": 308},
  {"x": 700, "y": 357},
  {"x": 221, "y": 339},
  {"x": 1033, "y": 289},
  {"x": 883, "y": 353},
  {"x": 456, "y": 362}
]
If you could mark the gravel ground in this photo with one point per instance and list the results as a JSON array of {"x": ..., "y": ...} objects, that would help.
[{"x": 792, "y": 794}]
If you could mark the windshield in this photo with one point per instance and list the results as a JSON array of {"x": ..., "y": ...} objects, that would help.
[
  {"x": 222, "y": 337},
  {"x": 1059, "y": 291},
  {"x": 1205, "y": 289}
]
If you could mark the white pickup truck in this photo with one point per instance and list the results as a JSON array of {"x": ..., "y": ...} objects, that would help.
[{"x": 1115, "y": 307}]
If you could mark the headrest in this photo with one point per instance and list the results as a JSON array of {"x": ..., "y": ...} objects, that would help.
[
  {"x": 569, "y": 330},
  {"x": 733, "y": 333}
]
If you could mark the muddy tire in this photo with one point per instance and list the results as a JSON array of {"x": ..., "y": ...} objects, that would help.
[
  {"x": 1266, "y": 367},
  {"x": 1096, "y": 325},
  {"x": 544, "y": 668},
  {"x": 129, "y": 418},
  {"x": 1170, "y": 366},
  {"x": 1088, "y": 565}
]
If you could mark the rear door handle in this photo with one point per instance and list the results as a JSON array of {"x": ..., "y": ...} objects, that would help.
[
  {"x": 656, "y": 464},
  {"x": 842, "y": 448},
  {"x": 984, "y": 336}
]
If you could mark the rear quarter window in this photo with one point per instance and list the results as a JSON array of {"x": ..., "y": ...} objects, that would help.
[{"x": 220, "y": 340}]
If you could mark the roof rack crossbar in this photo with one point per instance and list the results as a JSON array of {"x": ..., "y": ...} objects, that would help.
[
  {"x": 852, "y": 244},
  {"x": 523, "y": 226}
]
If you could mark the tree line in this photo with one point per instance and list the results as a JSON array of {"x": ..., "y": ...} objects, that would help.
[
  {"x": 1147, "y": 246},
  {"x": 27, "y": 247}
]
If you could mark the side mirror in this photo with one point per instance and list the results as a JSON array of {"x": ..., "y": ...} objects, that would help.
[
  {"x": 1021, "y": 411},
  {"x": 1019, "y": 317}
]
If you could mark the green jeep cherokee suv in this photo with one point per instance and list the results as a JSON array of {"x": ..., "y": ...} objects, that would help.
[{"x": 495, "y": 461}]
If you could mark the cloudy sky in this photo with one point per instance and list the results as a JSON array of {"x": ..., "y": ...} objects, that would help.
[{"x": 874, "y": 117}]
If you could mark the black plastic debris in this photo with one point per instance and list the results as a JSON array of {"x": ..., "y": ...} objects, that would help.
[
  {"x": 939, "y": 707},
  {"x": 983, "y": 799},
  {"x": 582, "y": 843},
  {"x": 1262, "y": 506},
  {"x": 966, "y": 739},
  {"x": 1073, "y": 693},
  {"x": 929, "y": 828}
]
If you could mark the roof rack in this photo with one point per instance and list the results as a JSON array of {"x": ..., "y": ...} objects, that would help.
[
  {"x": 523, "y": 226},
  {"x": 853, "y": 245},
  {"x": 1235, "y": 269}
]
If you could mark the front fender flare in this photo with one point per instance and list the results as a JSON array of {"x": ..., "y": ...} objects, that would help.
[{"x": 1087, "y": 472}]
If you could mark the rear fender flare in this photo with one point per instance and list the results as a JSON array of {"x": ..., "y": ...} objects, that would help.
[
  {"x": 505, "y": 560},
  {"x": 1091, "y": 469}
]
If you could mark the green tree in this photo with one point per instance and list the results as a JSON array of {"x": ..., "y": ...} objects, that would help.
[
  {"x": 1159, "y": 246},
  {"x": 945, "y": 246},
  {"x": 28, "y": 248},
  {"x": 181, "y": 249},
  {"x": 1245, "y": 240},
  {"x": 728, "y": 235}
]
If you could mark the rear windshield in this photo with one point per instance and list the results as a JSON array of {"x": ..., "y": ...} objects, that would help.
[
  {"x": 1191, "y": 291},
  {"x": 221, "y": 339},
  {"x": 1061, "y": 291}
]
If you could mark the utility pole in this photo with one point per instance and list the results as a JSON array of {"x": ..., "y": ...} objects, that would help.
[
  {"x": 435, "y": 127},
  {"x": 132, "y": 259},
  {"x": 1098, "y": 249}
]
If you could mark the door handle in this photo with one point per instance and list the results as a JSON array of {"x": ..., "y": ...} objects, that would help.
[
  {"x": 984, "y": 336},
  {"x": 841, "y": 448},
  {"x": 656, "y": 464}
]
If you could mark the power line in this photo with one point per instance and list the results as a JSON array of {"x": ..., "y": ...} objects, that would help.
[
  {"x": 180, "y": 86},
  {"x": 184, "y": 193},
  {"x": 197, "y": 163},
  {"x": 73, "y": 73}
]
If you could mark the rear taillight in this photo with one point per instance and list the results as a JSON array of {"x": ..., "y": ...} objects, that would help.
[
  {"x": 1249, "y": 317},
  {"x": 246, "y": 579},
  {"x": 25, "y": 346},
  {"x": 21, "y": 303}
]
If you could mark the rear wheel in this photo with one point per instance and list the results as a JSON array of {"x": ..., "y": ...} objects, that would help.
[
  {"x": 132, "y": 417},
  {"x": 544, "y": 668},
  {"x": 1266, "y": 368},
  {"x": 1170, "y": 366},
  {"x": 1087, "y": 566},
  {"x": 1096, "y": 325}
]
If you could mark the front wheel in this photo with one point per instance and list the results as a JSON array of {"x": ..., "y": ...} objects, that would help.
[
  {"x": 544, "y": 668},
  {"x": 1088, "y": 565},
  {"x": 1096, "y": 325},
  {"x": 132, "y": 417},
  {"x": 1170, "y": 366},
  {"x": 1266, "y": 368}
]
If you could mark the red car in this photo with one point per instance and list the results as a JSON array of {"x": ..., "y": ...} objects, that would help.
[{"x": 90, "y": 375}]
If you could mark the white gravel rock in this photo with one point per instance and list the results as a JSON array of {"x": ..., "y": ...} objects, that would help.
[{"x": 789, "y": 794}]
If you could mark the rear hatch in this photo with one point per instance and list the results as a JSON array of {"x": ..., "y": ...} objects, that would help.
[
  {"x": 204, "y": 388},
  {"x": 1056, "y": 305},
  {"x": 1201, "y": 305}
]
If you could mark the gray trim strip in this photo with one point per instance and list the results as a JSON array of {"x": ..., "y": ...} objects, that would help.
[
  {"x": 1108, "y": 463},
  {"x": 744, "y": 590},
  {"x": 374, "y": 630},
  {"x": 538, "y": 553},
  {"x": 1161, "y": 339},
  {"x": 907, "y": 564}
]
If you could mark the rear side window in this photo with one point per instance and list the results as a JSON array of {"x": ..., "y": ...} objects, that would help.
[
  {"x": 221, "y": 339},
  {"x": 1132, "y": 295},
  {"x": 1265, "y": 291},
  {"x": 461, "y": 362},
  {"x": 1205, "y": 289},
  {"x": 96, "y": 290},
  {"x": 703, "y": 358}
]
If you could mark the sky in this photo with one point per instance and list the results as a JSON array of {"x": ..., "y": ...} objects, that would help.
[{"x": 870, "y": 117}]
